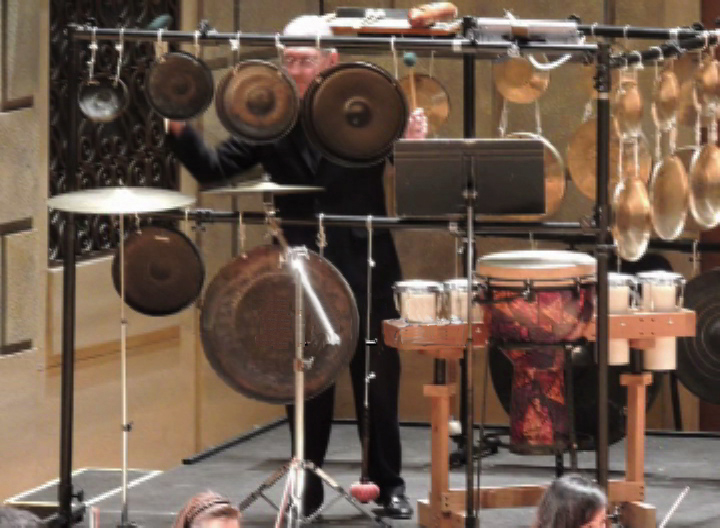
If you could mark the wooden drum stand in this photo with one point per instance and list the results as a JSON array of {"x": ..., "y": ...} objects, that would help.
[{"x": 445, "y": 507}]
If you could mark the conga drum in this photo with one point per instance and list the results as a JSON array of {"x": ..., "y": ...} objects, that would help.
[{"x": 539, "y": 301}]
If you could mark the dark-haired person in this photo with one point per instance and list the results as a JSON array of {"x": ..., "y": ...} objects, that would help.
[
  {"x": 16, "y": 518},
  {"x": 572, "y": 501},
  {"x": 292, "y": 159},
  {"x": 208, "y": 510}
]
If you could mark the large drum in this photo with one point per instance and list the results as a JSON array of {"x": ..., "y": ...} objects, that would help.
[{"x": 540, "y": 298}]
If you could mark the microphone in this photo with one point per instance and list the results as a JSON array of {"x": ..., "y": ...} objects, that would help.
[{"x": 160, "y": 22}]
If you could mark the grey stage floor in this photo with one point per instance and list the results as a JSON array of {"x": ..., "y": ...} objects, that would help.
[{"x": 671, "y": 464}]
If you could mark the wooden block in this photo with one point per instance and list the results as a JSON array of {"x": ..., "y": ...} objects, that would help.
[
  {"x": 625, "y": 491},
  {"x": 638, "y": 515},
  {"x": 644, "y": 379},
  {"x": 442, "y": 340},
  {"x": 647, "y": 325},
  {"x": 438, "y": 391}
]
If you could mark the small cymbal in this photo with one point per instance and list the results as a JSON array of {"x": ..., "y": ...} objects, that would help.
[
  {"x": 431, "y": 96},
  {"x": 518, "y": 81},
  {"x": 264, "y": 186},
  {"x": 119, "y": 200}
]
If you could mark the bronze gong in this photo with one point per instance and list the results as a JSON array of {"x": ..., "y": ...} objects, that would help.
[
  {"x": 164, "y": 272},
  {"x": 247, "y": 325},
  {"x": 431, "y": 96},
  {"x": 257, "y": 101},
  {"x": 179, "y": 86},
  {"x": 354, "y": 112}
]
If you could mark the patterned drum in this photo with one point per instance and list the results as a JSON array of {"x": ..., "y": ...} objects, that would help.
[{"x": 538, "y": 298}]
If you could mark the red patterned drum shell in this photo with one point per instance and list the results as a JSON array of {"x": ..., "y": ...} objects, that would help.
[{"x": 549, "y": 295}]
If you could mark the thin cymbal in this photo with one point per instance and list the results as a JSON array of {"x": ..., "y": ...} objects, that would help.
[
  {"x": 518, "y": 81},
  {"x": 431, "y": 96},
  {"x": 632, "y": 223},
  {"x": 669, "y": 195},
  {"x": 264, "y": 187},
  {"x": 119, "y": 200},
  {"x": 582, "y": 156}
]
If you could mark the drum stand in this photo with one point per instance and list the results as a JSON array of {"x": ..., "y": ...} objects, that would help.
[{"x": 295, "y": 470}]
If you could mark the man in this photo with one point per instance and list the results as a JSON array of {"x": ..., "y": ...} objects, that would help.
[{"x": 349, "y": 191}]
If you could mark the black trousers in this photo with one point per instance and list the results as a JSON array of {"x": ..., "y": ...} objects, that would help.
[{"x": 385, "y": 456}]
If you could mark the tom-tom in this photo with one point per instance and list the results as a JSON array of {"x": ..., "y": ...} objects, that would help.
[
  {"x": 418, "y": 301},
  {"x": 622, "y": 298},
  {"x": 455, "y": 301},
  {"x": 542, "y": 297},
  {"x": 661, "y": 291}
]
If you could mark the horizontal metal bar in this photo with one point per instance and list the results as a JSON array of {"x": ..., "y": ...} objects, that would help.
[
  {"x": 636, "y": 32},
  {"x": 664, "y": 51},
  {"x": 15, "y": 348},
  {"x": 451, "y": 45}
]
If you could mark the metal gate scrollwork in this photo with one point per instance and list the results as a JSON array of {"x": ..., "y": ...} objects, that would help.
[{"x": 127, "y": 151}]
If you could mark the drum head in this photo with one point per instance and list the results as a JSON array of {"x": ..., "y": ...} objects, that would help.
[
  {"x": 585, "y": 386},
  {"x": 257, "y": 101},
  {"x": 104, "y": 99},
  {"x": 536, "y": 265},
  {"x": 179, "y": 86},
  {"x": 354, "y": 112},
  {"x": 247, "y": 325},
  {"x": 164, "y": 272}
]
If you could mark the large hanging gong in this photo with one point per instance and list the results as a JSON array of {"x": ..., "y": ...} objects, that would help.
[
  {"x": 257, "y": 101},
  {"x": 354, "y": 112},
  {"x": 247, "y": 325},
  {"x": 164, "y": 271}
]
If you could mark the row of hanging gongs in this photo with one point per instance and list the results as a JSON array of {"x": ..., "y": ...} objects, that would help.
[{"x": 353, "y": 112}]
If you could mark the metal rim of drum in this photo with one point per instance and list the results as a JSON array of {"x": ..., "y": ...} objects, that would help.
[
  {"x": 116, "y": 105},
  {"x": 322, "y": 137},
  {"x": 235, "y": 314},
  {"x": 234, "y": 127},
  {"x": 536, "y": 265},
  {"x": 157, "y": 76},
  {"x": 190, "y": 272}
]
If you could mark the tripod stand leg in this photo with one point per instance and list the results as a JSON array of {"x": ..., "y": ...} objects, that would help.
[
  {"x": 342, "y": 494},
  {"x": 258, "y": 492}
]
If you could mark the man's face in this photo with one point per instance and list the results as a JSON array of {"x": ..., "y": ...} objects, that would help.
[{"x": 303, "y": 64}]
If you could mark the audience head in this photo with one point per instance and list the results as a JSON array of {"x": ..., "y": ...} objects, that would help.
[
  {"x": 15, "y": 518},
  {"x": 572, "y": 501},
  {"x": 208, "y": 510}
]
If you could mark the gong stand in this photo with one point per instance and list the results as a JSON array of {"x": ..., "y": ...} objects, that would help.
[
  {"x": 471, "y": 45},
  {"x": 294, "y": 490}
]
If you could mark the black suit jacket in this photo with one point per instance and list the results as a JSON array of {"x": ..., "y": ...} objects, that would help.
[{"x": 348, "y": 191}]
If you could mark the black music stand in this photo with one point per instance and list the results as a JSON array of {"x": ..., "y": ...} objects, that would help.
[{"x": 467, "y": 178}]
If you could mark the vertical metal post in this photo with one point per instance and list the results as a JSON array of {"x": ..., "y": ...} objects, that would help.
[
  {"x": 468, "y": 394},
  {"x": 298, "y": 487},
  {"x": 65, "y": 490},
  {"x": 602, "y": 220}
]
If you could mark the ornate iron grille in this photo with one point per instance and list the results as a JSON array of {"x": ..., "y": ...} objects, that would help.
[{"x": 127, "y": 151}]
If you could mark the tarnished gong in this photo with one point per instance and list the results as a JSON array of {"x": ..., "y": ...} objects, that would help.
[
  {"x": 354, "y": 112},
  {"x": 247, "y": 325},
  {"x": 698, "y": 358}
]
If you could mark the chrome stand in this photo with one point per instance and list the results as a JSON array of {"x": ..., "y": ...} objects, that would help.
[{"x": 295, "y": 470}]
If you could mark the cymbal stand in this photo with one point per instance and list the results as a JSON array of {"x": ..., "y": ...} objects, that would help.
[
  {"x": 295, "y": 469},
  {"x": 126, "y": 426}
]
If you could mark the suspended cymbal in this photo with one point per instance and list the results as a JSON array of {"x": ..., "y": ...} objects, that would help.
[
  {"x": 666, "y": 96},
  {"x": 518, "y": 80},
  {"x": 582, "y": 158},
  {"x": 119, "y": 200},
  {"x": 631, "y": 223},
  {"x": 264, "y": 186},
  {"x": 431, "y": 96},
  {"x": 698, "y": 358},
  {"x": 669, "y": 195}
]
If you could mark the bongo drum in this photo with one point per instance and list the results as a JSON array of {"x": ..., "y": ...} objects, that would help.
[
  {"x": 661, "y": 291},
  {"x": 418, "y": 301},
  {"x": 536, "y": 299},
  {"x": 622, "y": 295}
]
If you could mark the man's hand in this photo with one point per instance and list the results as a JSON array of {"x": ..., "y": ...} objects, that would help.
[
  {"x": 417, "y": 127},
  {"x": 176, "y": 127}
]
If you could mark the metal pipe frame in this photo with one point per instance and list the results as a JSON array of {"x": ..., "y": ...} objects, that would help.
[{"x": 470, "y": 50}]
